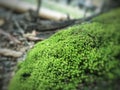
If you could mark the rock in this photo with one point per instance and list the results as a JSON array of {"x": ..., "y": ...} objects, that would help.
[{"x": 82, "y": 57}]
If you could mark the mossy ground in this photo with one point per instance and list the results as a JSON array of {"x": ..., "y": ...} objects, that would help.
[{"x": 82, "y": 57}]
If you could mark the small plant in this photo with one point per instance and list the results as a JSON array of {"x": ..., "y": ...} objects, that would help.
[{"x": 82, "y": 57}]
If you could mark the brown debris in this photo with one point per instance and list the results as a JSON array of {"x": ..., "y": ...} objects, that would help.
[
  {"x": 9, "y": 36},
  {"x": 1, "y": 22},
  {"x": 9, "y": 52},
  {"x": 32, "y": 36}
]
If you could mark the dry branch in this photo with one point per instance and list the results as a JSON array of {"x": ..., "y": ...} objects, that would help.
[
  {"x": 9, "y": 52},
  {"x": 21, "y": 6}
]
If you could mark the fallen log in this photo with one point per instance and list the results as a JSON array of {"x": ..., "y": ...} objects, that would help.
[{"x": 21, "y": 6}]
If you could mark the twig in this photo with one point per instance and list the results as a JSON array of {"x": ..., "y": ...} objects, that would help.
[
  {"x": 35, "y": 38},
  {"x": 10, "y": 36},
  {"x": 9, "y": 52},
  {"x": 38, "y": 7},
  {"x": 18, "y": 26},
  {"x": 32, "y": 36}
]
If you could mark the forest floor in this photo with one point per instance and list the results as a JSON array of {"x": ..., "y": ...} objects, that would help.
[{"x": 18, "y": 34}]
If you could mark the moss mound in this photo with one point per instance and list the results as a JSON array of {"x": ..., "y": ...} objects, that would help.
[{"x": 82, "y": 57}]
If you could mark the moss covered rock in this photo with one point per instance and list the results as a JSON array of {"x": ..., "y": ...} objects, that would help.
[{"x": 82, "y": 57}]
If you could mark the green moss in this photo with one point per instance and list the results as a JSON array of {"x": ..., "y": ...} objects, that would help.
[{"x": 80, "y": 57}]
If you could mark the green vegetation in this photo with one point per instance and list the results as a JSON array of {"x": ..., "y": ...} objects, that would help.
[{"x": 82, "y": 57}]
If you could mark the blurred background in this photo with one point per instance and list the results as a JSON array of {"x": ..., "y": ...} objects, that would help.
[{"x": 77, "y": 8}]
